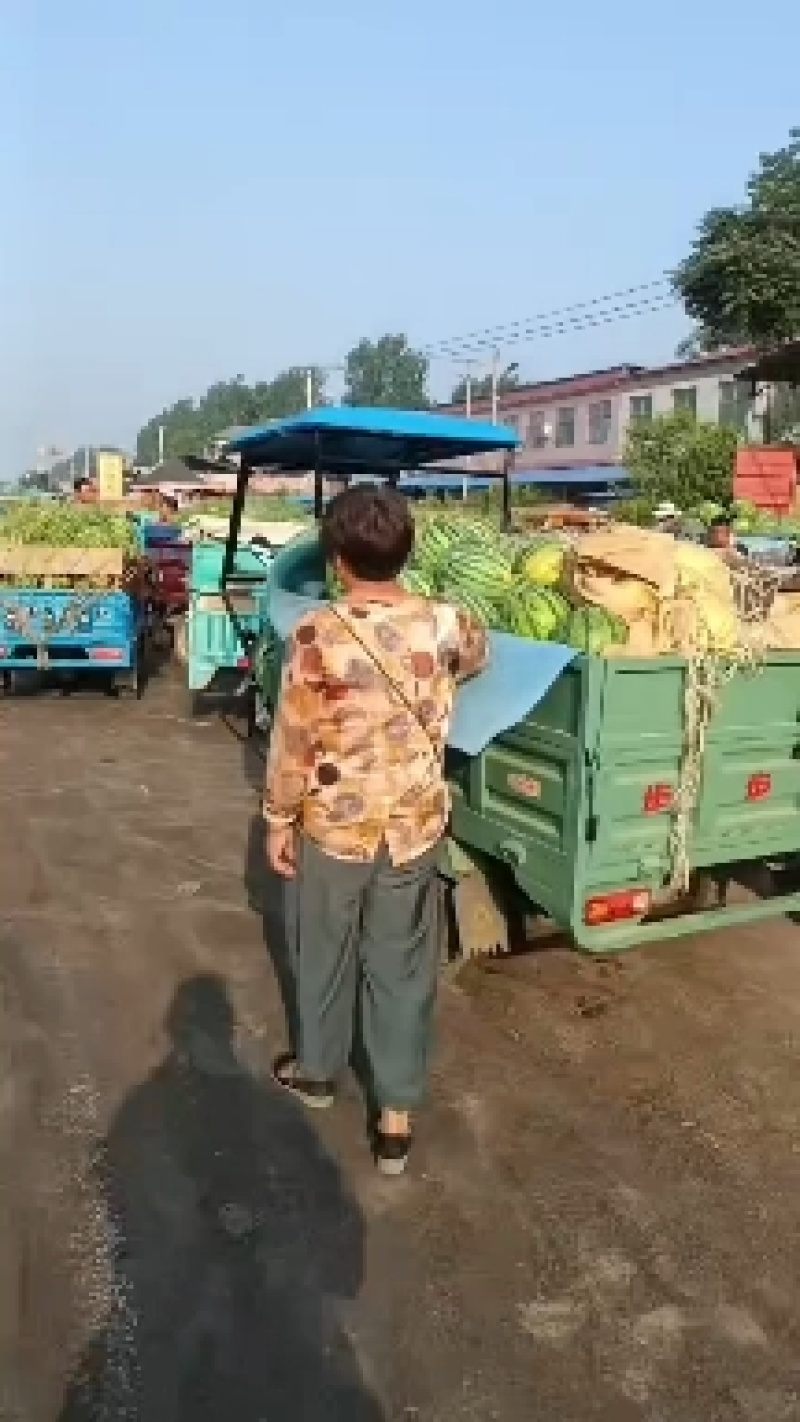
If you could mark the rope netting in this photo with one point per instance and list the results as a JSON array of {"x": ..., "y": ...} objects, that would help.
[{"x": 687, "y": 631}]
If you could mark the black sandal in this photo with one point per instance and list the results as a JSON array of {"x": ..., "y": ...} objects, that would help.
[
  {"x": 286, "y": 1073},
  {"x": 391, "y": 1152}
]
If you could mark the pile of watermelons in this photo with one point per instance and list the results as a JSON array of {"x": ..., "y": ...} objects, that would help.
[{"x": 510, "y": 583}]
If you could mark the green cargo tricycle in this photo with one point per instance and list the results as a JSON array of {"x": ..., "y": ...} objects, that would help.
[{"x": 565, "y": 772}]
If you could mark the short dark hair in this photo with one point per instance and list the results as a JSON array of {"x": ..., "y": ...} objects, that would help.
[{"x": 369, "y": 526}]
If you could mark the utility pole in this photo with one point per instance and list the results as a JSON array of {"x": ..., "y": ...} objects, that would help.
[
  {"x": 495, "y": 378},
  {"x": 309, "y": 388},
  {"x": 161, "y": 444},
  {"x": 469, "y": 394}
]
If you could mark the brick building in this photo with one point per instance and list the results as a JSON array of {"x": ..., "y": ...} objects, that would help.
[{"x": 582, "y": 420}]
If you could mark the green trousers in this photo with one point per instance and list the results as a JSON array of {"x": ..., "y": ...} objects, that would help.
[{"x": 366, "y": 966}]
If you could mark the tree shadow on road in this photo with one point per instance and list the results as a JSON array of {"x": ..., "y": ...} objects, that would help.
[{"x": 233, "y": 1238}]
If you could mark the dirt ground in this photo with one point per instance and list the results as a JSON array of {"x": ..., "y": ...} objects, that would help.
[{"x": 602, "y": 1219}]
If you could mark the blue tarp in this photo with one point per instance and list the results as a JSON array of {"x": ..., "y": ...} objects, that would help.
[{"x": 518, "y": 676}]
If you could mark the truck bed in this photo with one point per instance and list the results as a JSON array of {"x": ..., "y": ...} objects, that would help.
[{"x": 577, "y": 799}]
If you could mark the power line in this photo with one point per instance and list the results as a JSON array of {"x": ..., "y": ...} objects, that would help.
[
  {"x": 557, "y": 328},
  {"x": 599, "y": 311}
]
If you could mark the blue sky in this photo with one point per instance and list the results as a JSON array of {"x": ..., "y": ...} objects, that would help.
[{"x": 193, "y": 189}]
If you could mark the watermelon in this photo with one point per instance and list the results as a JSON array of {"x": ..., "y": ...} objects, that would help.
[
  {"x": 592, "y": 630},
  {"x": 485, "y": 569},
  {"x": 333, "y": 586},
  {"x": 431, "y": 549},
  {"x": 537, "y": 613},
  {"x": 415, "y": 581},
  {"x": 471, "y": 600},
  {"x": 543, "y": 565}
]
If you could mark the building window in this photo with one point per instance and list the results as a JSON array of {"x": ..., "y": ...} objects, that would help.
[
  {"x": 684, "y": 400},
  {"x": 600, "y": 422},
  {"x": 641, "y": 407},
  {"x": 565, "y": 427},
  {"x": 537, "y": 430},
  {"x": 734, "y": 404}
]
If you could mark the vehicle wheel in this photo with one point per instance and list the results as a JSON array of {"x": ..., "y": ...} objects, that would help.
[
  {"x": 130, "y": 684},
  {"x": 251, "y": 712},
  {"x": 179, "y": 642}
]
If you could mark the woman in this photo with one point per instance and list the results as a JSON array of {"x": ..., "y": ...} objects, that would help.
[{"x": 356, "y": 805}]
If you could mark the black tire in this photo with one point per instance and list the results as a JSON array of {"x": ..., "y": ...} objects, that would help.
[
  {"x": 129, "y": 685},
  {"x": 251, "y": 709}
]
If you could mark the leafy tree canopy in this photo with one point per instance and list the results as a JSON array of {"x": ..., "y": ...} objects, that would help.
[
  {"x": 191, "y": 425},
  {"x": 681, "y": 459},
  {"x": 387, "y": 372},
  {"x": 383, "y": 372},
  {"x": 741, "y": 279}
]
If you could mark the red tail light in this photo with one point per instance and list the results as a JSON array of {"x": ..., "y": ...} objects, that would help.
[
  {"x": 106, "y": 654},
  {"x": 658, "y": 798},
  {"x": 759, "y": 787},
  {"x": 243, "y": 664},
  {"x": 608, "y": 908}
]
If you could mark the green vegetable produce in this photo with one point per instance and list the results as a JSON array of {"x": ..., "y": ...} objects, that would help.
[
  {"x": 543, "y": 565},
  {"x": 415, "y": 582},
  {"x": 593, "y": 630},
  {"x": 67, "y": 526},
  {"x": 536, "y": 612}
]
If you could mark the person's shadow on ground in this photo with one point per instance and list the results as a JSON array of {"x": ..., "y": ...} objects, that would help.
[
  {"x": 274, "y": 900},
  {"x": 233, "y": 1236}
]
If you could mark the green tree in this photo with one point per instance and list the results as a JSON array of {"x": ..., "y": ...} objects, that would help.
[
  {"x": 679, "y": 458},
  {"x": 689, "y": 347},
  {"x": 191, "y": 425},
  {"x": 387, "y": 372},
  {"x": 507, "y": 379},
  {"x": 741, "y": 280}
]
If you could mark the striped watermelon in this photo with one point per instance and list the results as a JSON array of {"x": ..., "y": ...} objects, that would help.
[
  {"x": 473, "y": 601},
  {"x": 532, "y": 543},
  {"x": 333, "y": 587},
  {"x": 538, "y": 613},
  {"x": 592, "y": 630},
  {"x": 415, "y": 581},
  {"x": 431, "y": 548},
  {"x": 487, "y": 570}
]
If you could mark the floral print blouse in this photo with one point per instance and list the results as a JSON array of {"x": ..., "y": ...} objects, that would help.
[{"x": 356, "y": 757}]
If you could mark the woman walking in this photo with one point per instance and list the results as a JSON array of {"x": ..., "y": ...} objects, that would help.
[{"x": 356, "y": 805}]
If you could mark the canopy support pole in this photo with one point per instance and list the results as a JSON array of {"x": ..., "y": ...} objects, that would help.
[
  {"x": 318, "y": 490},
  {"x": 234, "y": 527},
  {"x": 507, "y": 461}
]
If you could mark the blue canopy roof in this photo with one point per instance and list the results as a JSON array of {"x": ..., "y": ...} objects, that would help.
[{"x": 345, "y": 438}]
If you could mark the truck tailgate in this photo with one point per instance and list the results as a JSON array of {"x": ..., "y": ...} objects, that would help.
[{"x": 750, "y": 774}]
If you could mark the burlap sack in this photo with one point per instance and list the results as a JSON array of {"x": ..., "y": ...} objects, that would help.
[
  {"x": 629, "y": 598},
  {"x": 630, "y": 552},
  {"x": 675, "y": 597}
]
